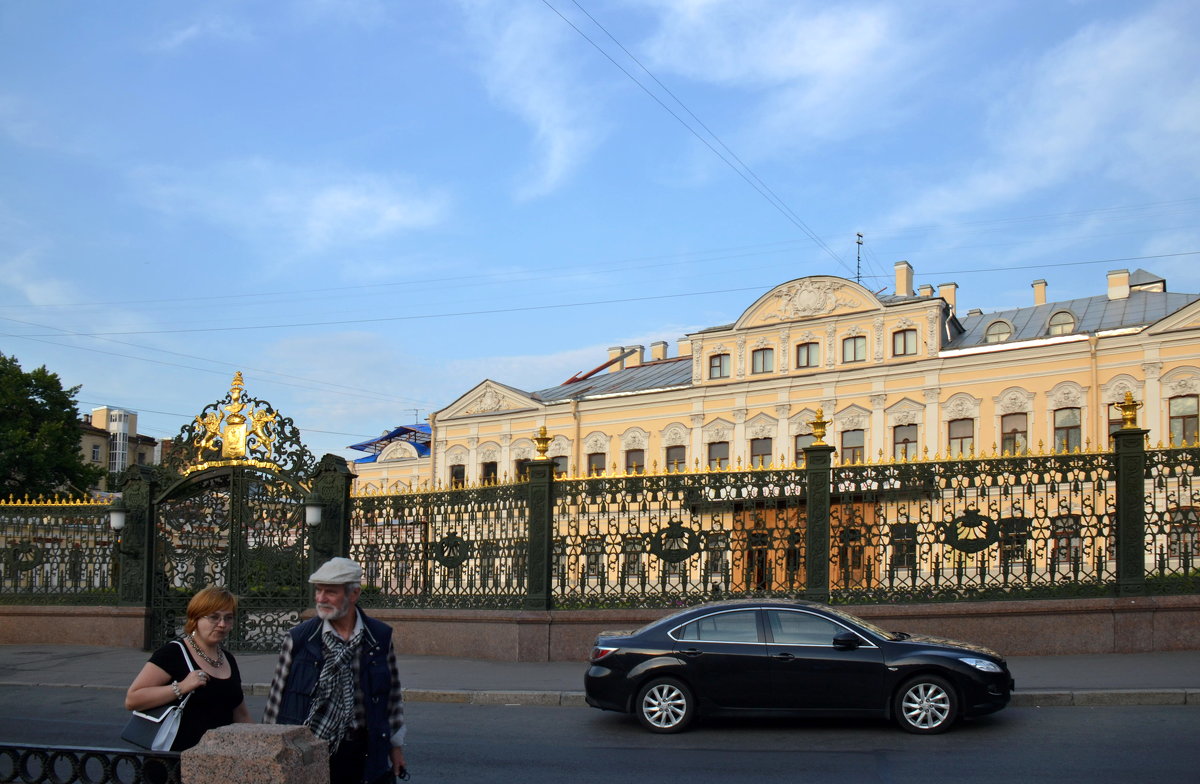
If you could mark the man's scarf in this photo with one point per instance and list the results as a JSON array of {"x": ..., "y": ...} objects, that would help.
[{"x": 332, "y": 709}]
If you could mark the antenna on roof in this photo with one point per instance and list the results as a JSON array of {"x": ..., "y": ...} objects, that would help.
[{"x": 858, "y": 260}]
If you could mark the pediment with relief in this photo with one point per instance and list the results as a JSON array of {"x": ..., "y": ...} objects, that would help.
[
  {"x": 488, "y": 397},
  {"x": 807, "y": 298}
]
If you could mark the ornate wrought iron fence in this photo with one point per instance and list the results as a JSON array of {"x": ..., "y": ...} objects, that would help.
[
  {"x": 1172, "y": 520},
  {"x": 677, "y": 538},
  {"x": 57, "y": 552},
  {"x": 31, "y": 764},
  {"x": 463, "y": 547},
  {"x": 985, "y": 528}
]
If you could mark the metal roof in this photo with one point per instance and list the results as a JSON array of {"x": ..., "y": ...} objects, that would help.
[
  {"x": 1092, "y": 314},
  {"x": 417, "y": 435},
  {"x": 660, "y": 374}
]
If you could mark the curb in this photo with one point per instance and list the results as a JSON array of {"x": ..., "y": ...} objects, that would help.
[{"x": 1041, "y": 698}]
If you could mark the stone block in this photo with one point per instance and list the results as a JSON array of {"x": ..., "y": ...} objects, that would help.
[
  {"x": 1042, "y": 699},
  {"x": 257, "y": 753},
  {"x": 517, "y": 698},
  {"x": 1131, "y": 697}
]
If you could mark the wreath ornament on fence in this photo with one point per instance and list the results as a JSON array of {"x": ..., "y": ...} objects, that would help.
[
  {"x": 971, "y": 532},
  {"x": 676, "y": 543}
]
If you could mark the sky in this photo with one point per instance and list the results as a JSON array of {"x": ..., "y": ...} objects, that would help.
[{"x": 370, "y": 207}]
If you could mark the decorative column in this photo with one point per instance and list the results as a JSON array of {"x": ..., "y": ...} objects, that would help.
[
  {"x": 1129, "y": 446},
  {"x": 818, "y": 468},
  {"x": 538, "y": 586},
  {"x": 331, "y": 488}
]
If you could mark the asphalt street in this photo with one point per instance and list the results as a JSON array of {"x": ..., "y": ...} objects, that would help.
[{"x": 458, "y": 742}]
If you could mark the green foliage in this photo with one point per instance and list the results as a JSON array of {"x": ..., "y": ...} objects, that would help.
[{"x": 39, "y": 435}]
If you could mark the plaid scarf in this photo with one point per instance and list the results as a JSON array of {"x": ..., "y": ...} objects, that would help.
[{"x": 332, "y": 710}]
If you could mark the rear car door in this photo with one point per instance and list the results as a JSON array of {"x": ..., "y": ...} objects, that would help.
[
  {"x": 725, "y": 658},
  {"x": 809, "y": 673}
]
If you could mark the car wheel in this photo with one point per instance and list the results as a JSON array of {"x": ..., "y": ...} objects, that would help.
[
  {"x": 926, "y": 705},
  {"x": 665, "y": 705}
]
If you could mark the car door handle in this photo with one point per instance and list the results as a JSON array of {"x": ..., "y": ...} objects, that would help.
[
  {"x": 783, "y": 656},
  {"x": 692, "y": 652}
]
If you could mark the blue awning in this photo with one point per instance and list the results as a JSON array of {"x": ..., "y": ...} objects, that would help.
[{"x": 417, "y": 435}]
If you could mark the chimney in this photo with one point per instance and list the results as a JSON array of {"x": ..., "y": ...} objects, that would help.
[
  {"x": 947, "y": 291},
  {"x": 1118, "y": 284},
  {"x": 926, "y": 290},
  {"x": 1039, "y": 292},
  {"x": 637, "y": 357},
  {"x": 658, "y": 350},
  {"x": 613, "y": 353},
  {"x": 685, "y": 347},
  {"x": 904, "y": 279}
]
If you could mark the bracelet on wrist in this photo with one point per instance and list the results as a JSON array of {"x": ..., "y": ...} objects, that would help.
[{"x": 175, "y": 688}]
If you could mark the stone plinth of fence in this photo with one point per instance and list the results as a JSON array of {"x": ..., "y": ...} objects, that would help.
[{"x": 257, "y": 753}]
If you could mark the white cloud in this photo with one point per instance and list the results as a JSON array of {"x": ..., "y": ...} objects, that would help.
[
  {"x": 1118, "y": 101},
  {"x": 526, "y": 65},
  {"x": 217, "y": 28},
  {"x": 312, "y": 211}
]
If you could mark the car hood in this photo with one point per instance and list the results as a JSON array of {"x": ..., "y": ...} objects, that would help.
[{"x": 927, "y": 641}]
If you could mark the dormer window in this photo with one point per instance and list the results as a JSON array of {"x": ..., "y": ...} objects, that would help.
[
  {"x": 997, "y": 332},
  {"x": 854, "y": 349},
  {"x": 718, "y": 366},
  {"x": 1061, "y": 323},
  {"x": 762, "y": 360},
  {"x": 904, "y": 343}
]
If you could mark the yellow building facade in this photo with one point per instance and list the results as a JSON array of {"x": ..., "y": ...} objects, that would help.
[{"x": 900, "y": 376}]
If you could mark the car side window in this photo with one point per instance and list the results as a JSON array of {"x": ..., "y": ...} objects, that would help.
[
  {"x": 801, "y": 628},
  {"x": 739, "y": 626}
]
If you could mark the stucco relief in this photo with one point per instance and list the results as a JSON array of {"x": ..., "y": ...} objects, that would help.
[
  {"x": 675, "y": 435},
  {"x": 830, "y": 334},
  {"x": 807, "y": 298},
  {"x": 472, "y": 442},
  {"x": 489, "y": 453},
  {"x": 905, "y": 323},
  {"x": 559, "y": 447},
  {"x": 739, "y": 415},
  {"x": 522, "y": 452},
  {"x": 961, "y": 406},
  {"x": 1114, "y": 391},
  {"x": 851, "y": 422},
  {"x": 720, "y": 430},
  {"x": 398, "y": 450},
  {"x": 488, "y": 401},
  {"x": 456, "y": 454},
  {"x": 1182, "y": 381},
  {"x": 905, "y": 412},
  {"x": 878, "y": 401},
  {"x": 931, "y": 317},
  {"x": 1067, "y": 394},
  {"x": 785, "y": 339},
  {"x": 697, "y": 420},
  {"x": 741, "y": 357},
  {"x": 634, "y": 438},
  {"x": 801, "y": 424},
  {"x": 1015, "y": 401},
  {"x": 783, "y": 410},
  {"x": 878, "y": 324},
  {"x": 1151, "y": 370},
  {"x": 596, "y": 442},
  {"x": 761, "y": 426}
]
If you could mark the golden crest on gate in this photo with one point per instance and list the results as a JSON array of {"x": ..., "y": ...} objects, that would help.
[{"x": 232, "y": 432}]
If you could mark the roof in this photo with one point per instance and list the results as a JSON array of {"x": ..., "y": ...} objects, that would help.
[
  {"x": 660, "y": 374},
  {"x": 1092, "y": 314},
  {"x": 417, "y": 435}
]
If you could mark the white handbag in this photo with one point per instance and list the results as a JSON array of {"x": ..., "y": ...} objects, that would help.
[{"x": 156, "y": 728}]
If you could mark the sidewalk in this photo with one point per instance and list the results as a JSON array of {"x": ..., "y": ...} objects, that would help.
[{"x": 1171, "y": 678}]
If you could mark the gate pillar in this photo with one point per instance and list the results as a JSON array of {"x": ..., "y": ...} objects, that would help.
[
  {"x": 331, "y": 489},
  {"x": 138, "y": 486}
]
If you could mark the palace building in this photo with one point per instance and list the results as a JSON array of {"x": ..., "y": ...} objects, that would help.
[{"x": 900, "y": 376}]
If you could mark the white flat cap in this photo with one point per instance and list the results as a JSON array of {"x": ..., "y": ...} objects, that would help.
[{"x": 337, "y": 571}]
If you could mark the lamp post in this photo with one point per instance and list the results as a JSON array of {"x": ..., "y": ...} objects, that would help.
[
  {"x": 116, "y": 514},
  {"x": 314, "y": 509}
]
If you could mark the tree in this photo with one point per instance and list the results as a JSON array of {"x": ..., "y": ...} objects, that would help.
[{"x": 39, "y": 435}]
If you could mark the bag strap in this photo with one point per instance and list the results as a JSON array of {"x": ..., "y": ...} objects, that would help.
[{"x": 188, "y": 661}]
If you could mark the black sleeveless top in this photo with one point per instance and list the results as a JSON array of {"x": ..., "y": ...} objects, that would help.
[{"x": 211, "y": 706}]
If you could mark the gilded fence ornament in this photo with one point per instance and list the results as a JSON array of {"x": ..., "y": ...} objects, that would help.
[
  {"x": 818, "y": 425},
  {"x": 1129, "y": 409},
  {"x": 541, "y": 442}
]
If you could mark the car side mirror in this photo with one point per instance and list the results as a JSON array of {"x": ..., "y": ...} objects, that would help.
[{"x": 846, "y": 641}]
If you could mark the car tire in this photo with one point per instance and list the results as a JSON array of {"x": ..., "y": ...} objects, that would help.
[
  {"x": 665, "y": 705},
  {"x": 926, "y": 705}
]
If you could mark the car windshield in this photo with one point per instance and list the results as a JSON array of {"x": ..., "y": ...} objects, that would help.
[{"x": 867, "y": 625}]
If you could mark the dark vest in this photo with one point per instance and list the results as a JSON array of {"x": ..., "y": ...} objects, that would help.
[{"x": 375, "y": 682}]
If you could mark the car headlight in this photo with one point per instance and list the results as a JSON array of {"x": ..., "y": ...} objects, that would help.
[{"x": 983, "y": 665}]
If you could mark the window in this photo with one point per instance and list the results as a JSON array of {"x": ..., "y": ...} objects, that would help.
[
  {"x": 962, "y": 436},
  {"x": 1014, "y": 534},
  {"x": 718, "y": 454},
  {"x": 635, "y": 461},
  {"x": 738, "y": 626},
  {"x": 141, "y": 459},
  {"x": 1115, "y": 420},
  {"x": 1183, "y": 415},
  {"x": 595, "y": 463},
  {"x": 803, "y": 442},
  {"x": 760, "y": 452},
  {"x": 718, "y": 366},
  {"x": 1066, "y": 543},
  {"x": 854, "y": 349},
  {"x": 488, "y": 472},
  {"x": 801, "y": 628},
  {"x": 762, "y": 360},
  {"x": 1061, "y": 323},
  {"x": 1014, "y": 435},
  {"x": 904, "y": 442},
  {"x": 458, "y": 475},
  {"x": 808, "y": 355},
  {"x": 853, "y": 444},
  {"x": 904, "y": 546},
  {"x": 560, "y": 465},
  {"x": 521, "y": 467},
  {"x": 997, "y": 332},
  {"x": 904, "y": 343},
  {"x": 1066, "y": 429},
  {"x": 95, "y": 453},
  {"x": 676, "y": 459}
]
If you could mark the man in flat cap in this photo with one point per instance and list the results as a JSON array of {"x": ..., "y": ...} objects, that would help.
[{"x": 337, "y": 675}]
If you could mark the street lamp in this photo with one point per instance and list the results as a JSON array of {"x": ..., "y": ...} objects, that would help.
[
  {"x": 314, "y": 509},
  {"x": 116, "y": 514}
]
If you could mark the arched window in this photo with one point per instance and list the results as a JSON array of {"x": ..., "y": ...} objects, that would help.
[
  {"x": 997, "y": 332},
  {"x": 1061, "y": 323}
]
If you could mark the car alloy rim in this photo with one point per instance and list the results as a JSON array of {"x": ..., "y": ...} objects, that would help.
[
  {"x": 664, "y": 705},
  {"x": 926, "y": 705}
]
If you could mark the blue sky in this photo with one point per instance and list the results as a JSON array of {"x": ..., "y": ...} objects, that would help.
[{"x": 369, "y": 207}]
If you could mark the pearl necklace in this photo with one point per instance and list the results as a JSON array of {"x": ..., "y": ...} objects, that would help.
[{"x": 218, "y": 662}]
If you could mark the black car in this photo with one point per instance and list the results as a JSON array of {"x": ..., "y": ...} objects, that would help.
[{"x": 767, "y": 656}]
